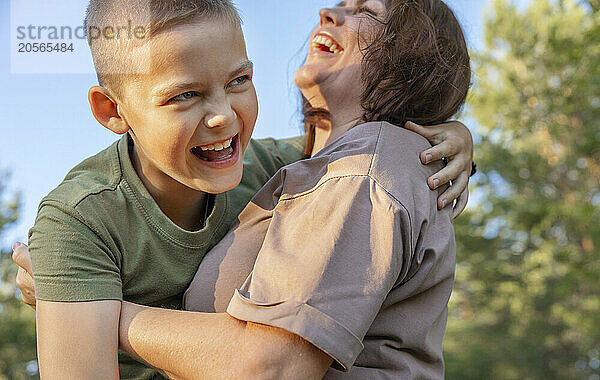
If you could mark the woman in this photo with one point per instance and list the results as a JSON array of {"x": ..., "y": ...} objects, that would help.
[
  {"x": 342, "y": 257},
  {"x": 349, "y": 253}
]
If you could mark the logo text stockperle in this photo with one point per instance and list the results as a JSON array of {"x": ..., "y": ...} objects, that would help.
[{"x": 65, "y": 32}]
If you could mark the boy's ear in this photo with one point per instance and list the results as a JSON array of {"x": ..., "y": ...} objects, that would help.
[{"x": 105, "y": 110}]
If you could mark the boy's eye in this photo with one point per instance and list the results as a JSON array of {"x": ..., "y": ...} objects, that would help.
[
  {"x": 239, "y": 81},
  {"x": 185, "y": 96}
]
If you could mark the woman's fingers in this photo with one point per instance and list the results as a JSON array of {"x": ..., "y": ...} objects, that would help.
[
  {"x": 453, "y": 192},
  {"x": 25, "y": 284},
  {"x": 21, "y": 257},
  {"x": 24, "y": 278},
  {"x": 461, "y": 203}
]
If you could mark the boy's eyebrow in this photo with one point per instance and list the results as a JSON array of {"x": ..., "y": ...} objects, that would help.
[
  {"x": 244, "y": 66},
  {"x": 173, "y": 88}
]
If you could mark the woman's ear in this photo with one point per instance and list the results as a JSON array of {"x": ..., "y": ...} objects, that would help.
[{"x": 106, "y": 111}]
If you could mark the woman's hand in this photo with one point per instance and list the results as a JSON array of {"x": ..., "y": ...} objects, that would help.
[
  {"x": 454, "y": 142},
  {"x": 25, "y": 274}
]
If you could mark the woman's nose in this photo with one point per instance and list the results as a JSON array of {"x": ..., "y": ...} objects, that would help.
[{"x": 331, "y": 16}]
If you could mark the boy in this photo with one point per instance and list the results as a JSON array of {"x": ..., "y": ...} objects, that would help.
[{"x": 133, "y": 222}]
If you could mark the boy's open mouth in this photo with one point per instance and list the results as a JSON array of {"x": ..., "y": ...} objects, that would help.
[{"x": 216, "y": 152}]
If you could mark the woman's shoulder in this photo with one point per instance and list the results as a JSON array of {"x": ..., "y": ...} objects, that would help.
[
  {"x": 377, "y": 138},
  {"x": 376, "y": 151},
  {"x": 387, "y": 153},
  {"x": 391, "y": 158},
  {"x": 396, "y": 158},
  {"x": 351, "y": 155}
]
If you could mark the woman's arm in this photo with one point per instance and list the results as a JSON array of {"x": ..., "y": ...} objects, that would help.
[
  {"x": 24, "y": 278},
  {"x": 78, "y": 340},
  {"x": 216, "y": 346}
]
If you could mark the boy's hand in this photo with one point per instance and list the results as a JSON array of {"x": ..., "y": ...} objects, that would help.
[
  {"x": 454, "y": 142},
  {"x": 25, "y": 274}
]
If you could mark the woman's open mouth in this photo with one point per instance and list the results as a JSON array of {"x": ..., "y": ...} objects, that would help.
[
  {"x": 220, "y": 154},
  {"x": 325, "y": 43}
]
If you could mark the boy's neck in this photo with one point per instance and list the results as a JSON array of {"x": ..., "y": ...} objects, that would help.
[
  {"x": 185, "y": 207},
  {"x": 188, "y": 213}
]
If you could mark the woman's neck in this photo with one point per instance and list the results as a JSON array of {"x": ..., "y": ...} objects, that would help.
[
  {"x": 344, "y": 109},
  {"x": 326, "y": 133}
]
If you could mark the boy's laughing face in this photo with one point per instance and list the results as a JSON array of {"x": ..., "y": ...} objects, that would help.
[{"x": 191, "y": 119}]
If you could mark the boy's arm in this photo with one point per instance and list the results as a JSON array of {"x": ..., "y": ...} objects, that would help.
[
  {"x": 78, "y": 287},
  {"x": 78, "y": 340},
  {"x": 454, "y": 142},
  {"x": 104, "y": 315},
  {"x": 217, "y": 346}
]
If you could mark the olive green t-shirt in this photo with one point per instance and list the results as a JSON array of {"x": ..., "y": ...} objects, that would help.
[{"x": 100, "y": 235}]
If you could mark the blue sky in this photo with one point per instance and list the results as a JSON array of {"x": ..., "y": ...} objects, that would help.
[{"x": 47, "y": 127}]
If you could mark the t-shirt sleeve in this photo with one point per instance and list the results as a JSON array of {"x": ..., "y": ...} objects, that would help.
[
  {"x": 70, "y": 261},
  {"x": 281, "y": 152},
  {"x": 327, "y": 263}
]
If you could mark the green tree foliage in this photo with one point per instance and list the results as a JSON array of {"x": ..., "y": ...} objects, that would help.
[
  {"x": 527, "y": 297},
  {"x": 17, "y": 321}
]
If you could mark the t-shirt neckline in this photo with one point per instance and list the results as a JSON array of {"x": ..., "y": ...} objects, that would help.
[{"x": 154, "y": 215}]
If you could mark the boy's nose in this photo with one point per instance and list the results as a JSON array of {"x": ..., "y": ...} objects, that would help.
[{"x": 221, "y": 119}]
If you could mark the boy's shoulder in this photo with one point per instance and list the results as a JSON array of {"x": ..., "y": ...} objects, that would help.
[
  {"x": 93, "y": 176},
  {"x": 272, "y": 153}
]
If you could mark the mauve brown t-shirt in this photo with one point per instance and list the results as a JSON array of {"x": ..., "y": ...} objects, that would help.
[{"x": 348, "y": 250}]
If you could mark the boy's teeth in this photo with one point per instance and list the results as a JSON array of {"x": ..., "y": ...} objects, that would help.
[{"x": 218, "y": 146}]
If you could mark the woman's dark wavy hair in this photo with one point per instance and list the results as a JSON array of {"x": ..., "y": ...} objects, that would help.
[{"x": 416, "y": 67}]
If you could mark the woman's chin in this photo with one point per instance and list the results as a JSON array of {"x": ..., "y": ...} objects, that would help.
[{"x": 309, "y": 75}]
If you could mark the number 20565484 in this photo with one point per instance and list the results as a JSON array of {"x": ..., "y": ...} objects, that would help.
[{"x": 49, "y": 47}]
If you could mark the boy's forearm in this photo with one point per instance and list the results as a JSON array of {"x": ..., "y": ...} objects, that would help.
[{"x": 215, "y": 346}]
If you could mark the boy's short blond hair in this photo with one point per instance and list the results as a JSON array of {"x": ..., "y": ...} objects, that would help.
[{"x": 118, "y": 32}]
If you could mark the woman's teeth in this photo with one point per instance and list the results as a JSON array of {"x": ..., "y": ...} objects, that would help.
[
  {"x": 218, "y": 146},
  {"x": 324, "y": 43}
]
